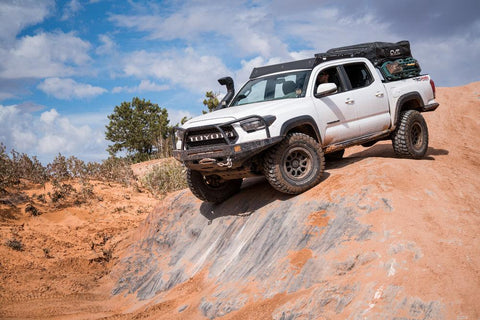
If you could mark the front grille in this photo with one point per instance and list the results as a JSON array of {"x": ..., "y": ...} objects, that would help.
[{"x": 209, "y": 137}]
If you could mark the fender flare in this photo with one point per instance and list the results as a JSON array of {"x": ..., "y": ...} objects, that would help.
[
  {"x": 411, "y": 96},
  {"x": 301, "y": 121}
]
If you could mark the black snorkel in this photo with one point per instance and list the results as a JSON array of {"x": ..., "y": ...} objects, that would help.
[{"x": 228, "y": 82}]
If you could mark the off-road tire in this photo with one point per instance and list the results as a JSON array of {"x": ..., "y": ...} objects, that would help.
[
  {"x": 294, "y": 165},
  {"x": 212, "y": 188},
  {"x": 335, "y": 156},
  {"x": 410, "y": 138}
]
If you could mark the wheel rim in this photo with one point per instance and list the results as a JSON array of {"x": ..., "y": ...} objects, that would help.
[
  {"x": 417, "y": 136},
  {"x": 298, "y": 163}
]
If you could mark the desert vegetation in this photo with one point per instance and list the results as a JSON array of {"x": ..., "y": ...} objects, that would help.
[{"x": 69, "y": 181}]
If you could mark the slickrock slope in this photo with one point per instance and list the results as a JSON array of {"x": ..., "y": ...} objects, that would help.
[{"x": 379, "y": 238}]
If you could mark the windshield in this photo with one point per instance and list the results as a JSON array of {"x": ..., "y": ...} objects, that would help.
[{"x": 280, "y": 86}]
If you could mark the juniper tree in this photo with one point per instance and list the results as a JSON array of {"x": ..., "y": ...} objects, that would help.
[{"x": 137, "y": 127}]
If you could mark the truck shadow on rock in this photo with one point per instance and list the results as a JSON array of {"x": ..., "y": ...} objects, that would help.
[
  {"x": 255, "y": 194},
  {"x": 380, "y": 151}
]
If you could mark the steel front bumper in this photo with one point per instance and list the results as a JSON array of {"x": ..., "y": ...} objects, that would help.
[
  {"x": 222, "y": 157},
  {"x": 228, "y": 154}
]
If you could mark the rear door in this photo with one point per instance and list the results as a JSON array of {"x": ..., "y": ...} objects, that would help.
[{"x": 370, "y": 98}]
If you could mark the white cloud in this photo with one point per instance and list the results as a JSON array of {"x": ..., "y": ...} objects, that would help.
[
  {"x": 264, "y": 30},
  {"x": 187, "y": 68},
  {"x": 144, "y": 86},
  {"x": 440, "y": 58},
  {"x": 247, "y": 30},
  {"x": 5, "y": 95},
  {"x": 16, "y": 15},
  {"x": 44, "y": 55},
  {"x": 52, "y": 144},
  {"x": 69, "y": 89},
  {"x": 108, "y": 45},
  {"x": 175, "y": 116},
  {"x": 15, "y": 129},
  {"x": 48, "y": 117},
  {"x": 51, "y": 133},
  {"x": 71, "y": 9},
  {"x": 29, "y": 106}
]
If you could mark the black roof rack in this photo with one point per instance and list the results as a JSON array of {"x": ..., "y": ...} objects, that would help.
[
  {"x": 376, "y": 52},
  {"x": 293, "y": 65}
]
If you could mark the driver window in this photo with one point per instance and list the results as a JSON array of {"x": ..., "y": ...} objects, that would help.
[{"x": 328, "y": 75}]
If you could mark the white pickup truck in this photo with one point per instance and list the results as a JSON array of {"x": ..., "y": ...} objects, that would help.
[{"x": 289, "y": 117}]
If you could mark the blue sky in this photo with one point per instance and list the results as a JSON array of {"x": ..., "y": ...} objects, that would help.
[{"x": 66, "y": 64}]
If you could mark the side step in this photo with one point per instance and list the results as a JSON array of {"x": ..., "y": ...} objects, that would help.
[{"x": 357, "y": 141}]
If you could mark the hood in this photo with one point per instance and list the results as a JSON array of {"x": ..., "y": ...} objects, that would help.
[{"x": 232, "y": 113}]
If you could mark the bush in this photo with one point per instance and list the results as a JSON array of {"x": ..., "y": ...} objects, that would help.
[
  {"x": 115, "y": 170},
  {"x": 20, "y": 166},
  {"x": 61, "y": 191},
  {"x": 77, "y": 168},
  {"x": 6, "y": 174},
  {"x": 27, "y": 168},
  {"x": 58, "y": 169},
  {"x": 15, "y": 245},
  {"x": 167, "y": 177}
]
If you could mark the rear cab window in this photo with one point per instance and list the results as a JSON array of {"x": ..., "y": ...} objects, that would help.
[{"x": 358, "y": 74}]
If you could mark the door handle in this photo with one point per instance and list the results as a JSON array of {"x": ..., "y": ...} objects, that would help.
[
  {"x": 349, "y": 101},
  {"x": 379, "y": 94}
]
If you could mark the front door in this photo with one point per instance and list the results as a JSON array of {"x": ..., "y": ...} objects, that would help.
[{"x": 337, "y": 110}]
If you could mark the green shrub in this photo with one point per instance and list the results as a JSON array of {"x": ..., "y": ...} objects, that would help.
[
  {"x": 115, "y": 170},
  {"x": 15, "y": 245},
  {"x": 167, "y": 177},
  {"x": 20, "y": 166},
  {"x": 58, "y": 168},
  {"x": 61, "y": 191},
  {"x": 77, "y": 168}
]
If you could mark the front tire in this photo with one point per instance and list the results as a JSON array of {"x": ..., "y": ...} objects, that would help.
[
  {"x": 212, "y": 188},
  {"x": 294, "y": 165},
  {"x": 410, "y": 138}
]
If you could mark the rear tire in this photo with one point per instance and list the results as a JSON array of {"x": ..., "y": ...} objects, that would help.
[
  {"x": 410, "y": 138},
  {"x": 294, "y": 165},
  {"x": 212, "y": 188}
]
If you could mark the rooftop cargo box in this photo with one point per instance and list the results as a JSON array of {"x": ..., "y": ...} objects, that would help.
[{"x": 377, "y": 52}]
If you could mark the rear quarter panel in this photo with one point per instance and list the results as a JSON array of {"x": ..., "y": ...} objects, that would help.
[{"x": 397, "y": 90}]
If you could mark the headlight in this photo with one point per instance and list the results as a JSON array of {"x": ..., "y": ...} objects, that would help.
[{"x": 255, "y": 124}]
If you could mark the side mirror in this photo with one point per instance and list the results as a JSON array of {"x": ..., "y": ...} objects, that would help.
[{"x": 325, "y": 89}]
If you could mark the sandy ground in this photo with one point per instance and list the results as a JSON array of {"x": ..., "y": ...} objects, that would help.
[{"x": 378, "y": 238}]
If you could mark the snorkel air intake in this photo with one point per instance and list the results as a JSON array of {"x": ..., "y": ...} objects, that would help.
[{"x": 228, "y": 82}]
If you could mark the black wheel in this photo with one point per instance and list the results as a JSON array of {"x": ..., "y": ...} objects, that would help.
[
  {"x": 212, "y": 188},
  {"x": 410, "y": 138},
  {"x": 335, "y": 156},
  {"x": 294, "y": 165}
]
